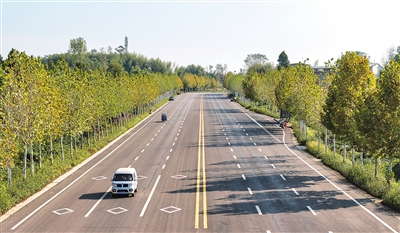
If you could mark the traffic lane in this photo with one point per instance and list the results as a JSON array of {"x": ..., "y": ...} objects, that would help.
[
  {"x": 149, "y": 167},
  {"x": 61, "y": 183},
  {"x": 372, "y": 205},
  {"x": 90, "y": 191},
  {"x": 232, "y": 207},
  {"x": 172, "y": 207},
  {"x": 295, "y": 205}
]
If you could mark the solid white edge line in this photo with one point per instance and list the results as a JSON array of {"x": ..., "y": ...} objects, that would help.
[
  {"x": 81, "y": 165},
  {"x": 98, "y": 201},
  {"x": 149, "y": 198},
  {"x": 337, "y": 187}
]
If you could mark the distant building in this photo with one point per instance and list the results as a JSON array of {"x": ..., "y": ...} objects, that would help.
[{"x": 376, "y": 68}]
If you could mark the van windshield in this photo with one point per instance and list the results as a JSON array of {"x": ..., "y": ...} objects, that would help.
[{"x": 123, "y": 177}]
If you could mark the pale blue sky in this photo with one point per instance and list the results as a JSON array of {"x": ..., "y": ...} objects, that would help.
[{"x": 205, "y": 32}]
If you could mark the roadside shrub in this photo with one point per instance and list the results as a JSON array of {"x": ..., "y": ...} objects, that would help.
[
  {"x": 5, "y": 199},
  {"x": 391, "y": 197},
  {"x": 396, "y": 170}
]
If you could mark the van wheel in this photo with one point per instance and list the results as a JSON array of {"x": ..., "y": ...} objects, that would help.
[
  {"x": 113, "y": 195},
  {"x": 133, "y": 194}
]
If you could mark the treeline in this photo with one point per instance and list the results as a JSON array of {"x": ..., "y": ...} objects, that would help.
[
  {"x": 348, "y": 101},
  {"x": 41, "y": 103},
  {"x": 120, "y": 60}
]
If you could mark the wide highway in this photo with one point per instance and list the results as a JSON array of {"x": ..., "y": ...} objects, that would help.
[{"x": 212, "y": 167}]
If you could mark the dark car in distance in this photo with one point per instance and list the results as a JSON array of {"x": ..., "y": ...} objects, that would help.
[
  {"x": 164, "y": 117},
  {"x": 171, "y": 98}
]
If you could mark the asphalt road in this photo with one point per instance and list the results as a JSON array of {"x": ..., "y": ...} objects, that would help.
[{"x": 212, "y": 167}]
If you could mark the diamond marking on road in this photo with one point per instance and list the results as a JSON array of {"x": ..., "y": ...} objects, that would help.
[
  {"x": 99, "y": 178},
  {"x": 117, "y": 210},
  {"x": 178, "y": 177},
  {"x": 170, "y": 209},
  {"x": 141, "y": 177},
  {"x": 63, "y": 211}
]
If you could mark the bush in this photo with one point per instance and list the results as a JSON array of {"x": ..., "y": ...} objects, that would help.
[{"x": 391, "y": 197}]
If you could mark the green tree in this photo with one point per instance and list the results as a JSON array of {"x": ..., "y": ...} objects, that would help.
[
  {"x": 255, "y": 58},
  {"x": 352, "y": 78},
  {"x": 283, "y": 60},
  {"x": 382, "y": 114}
]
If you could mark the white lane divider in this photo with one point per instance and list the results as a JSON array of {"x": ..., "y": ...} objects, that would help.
[
  {"x": 149, "y": 198},
  {"x": 137, "y": 158},
  {"x": 312, "y": 211},
  {"x": 142, "y": 151},
  {"x": 167, "y": 157},
  {"x": 234, "y": 156},
  {"x": 294, "y": 190},
  {"x": 273, "y": 166},
  {"x": 282, "y": 177},
  {"x": 258, "y": 210},
  {"x": 244, "y": 178},
  {"x": 98, "y": 201},
  {"x": 265, "y": 157},
  {"x": 238, "y": 165},
  {"x": 251, "y": 193}
]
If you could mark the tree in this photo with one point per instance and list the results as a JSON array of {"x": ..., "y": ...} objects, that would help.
[
  {"x": 283, "y": 60},
  {"x": 381, "y": 114},
  {"x": 255, "y": 58},
  {"x": 352, "y": 78},
  {"x": 77, "y": 46}
]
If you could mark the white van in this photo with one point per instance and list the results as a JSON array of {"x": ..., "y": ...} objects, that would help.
[{"x": 124, "y": 182}]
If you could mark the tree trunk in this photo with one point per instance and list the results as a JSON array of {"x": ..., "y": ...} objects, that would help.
[
  {"x": 99, "y": 129},
  {"x": 71, "y": 146},
  {"x": 344, "y": 152},
  {"x": 334, "y": 145},
  {"x": 51, "y": 151},
  {"x": 319, "y": 142},
  {"x": 25, "y": 158},
  {"x": 75, "y": 146},
  {"x": 361, "y": 157},
  {"x": 390, "y": 167},
  {"x": 62, "y": 147},
  {"x": 32, "y": 162},
  {"x": 9, "y": 172},
  {"x": 40, "y": 155},
  {"x": 376, "y": 167},
  {"x": 326, "y": 141},
  {"x": 88, "y": 137}
]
